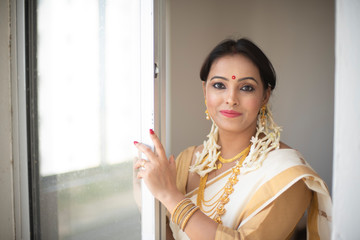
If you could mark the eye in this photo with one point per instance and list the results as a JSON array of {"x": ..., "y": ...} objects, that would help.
[
  {"x": 219, "y": 85},
  {"x": 247, "y": 88}
]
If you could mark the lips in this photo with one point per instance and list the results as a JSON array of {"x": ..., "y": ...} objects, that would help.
[{"x": 230, "y": 113}]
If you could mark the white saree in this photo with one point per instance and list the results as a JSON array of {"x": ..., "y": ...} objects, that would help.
[{"x": 257, "y": 189}]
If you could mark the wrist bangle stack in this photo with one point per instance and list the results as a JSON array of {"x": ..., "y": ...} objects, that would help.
[
  {"x": 175, "y": 213},
  {"x": 183, "y": 212}
]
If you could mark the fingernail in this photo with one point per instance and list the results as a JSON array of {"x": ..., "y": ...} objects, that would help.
[
  {"x": 136, "y": 142},
  {"x": 151, "y": 131}
]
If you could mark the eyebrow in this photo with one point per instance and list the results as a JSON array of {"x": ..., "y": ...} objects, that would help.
[{"x": 240, "y": 79}]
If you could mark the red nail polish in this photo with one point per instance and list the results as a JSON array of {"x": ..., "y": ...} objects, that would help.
[
  {"x": 136, "y": 142},
  {"x": 151, "y": 131}
]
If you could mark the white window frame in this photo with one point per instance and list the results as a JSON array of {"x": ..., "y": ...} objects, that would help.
[
  {"x": 148, "y": 209},
  {"x": 20, "y": 153},
  {"x": 153, "y": 89},
  {"x": 162, "y": 118}
]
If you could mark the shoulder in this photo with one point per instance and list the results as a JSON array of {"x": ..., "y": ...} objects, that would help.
[
  {"x": 184, "y": 159},
  {"x": 287, "y": 154},
  {"x": 183, "y": 162},
  {"x": 287, "y": 161},
  {"x": 284, "y": 146},
  {"x": 189, "y": 154},
  {"x": 186, "y": 153}
]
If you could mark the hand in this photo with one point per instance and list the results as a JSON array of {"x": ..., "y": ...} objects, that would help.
[{"x": 158, "y": 173}]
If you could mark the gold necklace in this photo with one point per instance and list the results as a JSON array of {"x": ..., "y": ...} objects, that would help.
[
  {"x": 223, "y": 160},
  {"x": 217, "y": 207}
]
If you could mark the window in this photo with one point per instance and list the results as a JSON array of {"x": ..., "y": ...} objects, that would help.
[{"x": 90, "y": 63}]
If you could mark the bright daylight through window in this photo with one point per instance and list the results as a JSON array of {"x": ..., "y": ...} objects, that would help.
[{"x": 88, "y": 62}]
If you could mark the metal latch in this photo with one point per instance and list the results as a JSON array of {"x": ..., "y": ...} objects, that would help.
[{"x": 156, "y": 70}]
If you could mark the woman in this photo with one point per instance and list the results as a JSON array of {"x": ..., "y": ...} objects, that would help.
[{"x": 242, "y": 183}]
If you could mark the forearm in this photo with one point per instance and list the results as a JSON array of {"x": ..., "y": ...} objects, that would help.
[{"x": 199, "y": 226}]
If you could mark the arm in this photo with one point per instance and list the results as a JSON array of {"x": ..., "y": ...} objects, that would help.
[
  {"x": 159, "y": 174},
  {"x": 160, "y": 177}
]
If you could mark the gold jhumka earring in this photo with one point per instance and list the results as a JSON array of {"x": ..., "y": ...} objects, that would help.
[
  {"x": 207, "y": 112},
  {"x": 261, "y": 146},
  {"x": 262, "y": 115}
]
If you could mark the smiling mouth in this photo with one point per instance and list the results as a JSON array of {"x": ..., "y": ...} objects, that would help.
[{"x": 230, "y": 113}]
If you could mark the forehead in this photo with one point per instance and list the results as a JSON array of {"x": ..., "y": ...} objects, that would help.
[{"x": 236, "y": 64}]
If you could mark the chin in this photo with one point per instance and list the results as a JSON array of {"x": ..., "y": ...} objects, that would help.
[
  {"x": 231, "y": 129},
  {"x": 237, "y": 128}
]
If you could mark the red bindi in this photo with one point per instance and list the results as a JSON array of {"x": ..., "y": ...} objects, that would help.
[{"x": 233, "y": 77}]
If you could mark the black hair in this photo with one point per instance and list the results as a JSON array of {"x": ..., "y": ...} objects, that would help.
[{"x": 247, "y": 48}]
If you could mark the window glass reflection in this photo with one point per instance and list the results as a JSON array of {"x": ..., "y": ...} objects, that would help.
[{"x": 89, "y": 111}]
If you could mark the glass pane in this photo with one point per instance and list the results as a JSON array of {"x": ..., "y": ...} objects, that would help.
[{"x": 88, "y": 54}]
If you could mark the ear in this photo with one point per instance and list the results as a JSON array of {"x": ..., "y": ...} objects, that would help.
[
  {"x": 267, "y": 94},
  {"x": 204, "y": 88}
]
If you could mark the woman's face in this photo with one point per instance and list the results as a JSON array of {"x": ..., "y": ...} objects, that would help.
[{"x": 234, "y": 94}]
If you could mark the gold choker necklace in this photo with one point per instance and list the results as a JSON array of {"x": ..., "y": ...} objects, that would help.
[{"x": 223, "y": 160}]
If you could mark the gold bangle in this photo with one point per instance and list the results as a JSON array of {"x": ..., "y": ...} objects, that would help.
[
  {"x": 176, "y": 209},
  {"x": 177, "y": 206},
  {"x": 188, "y": 216},
  {"x": 183, "y": 211}
]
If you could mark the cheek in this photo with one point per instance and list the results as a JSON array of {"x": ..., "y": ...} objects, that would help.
[
  {"x": 253, "y": 105},
  {"x": 212, "y": 100}
]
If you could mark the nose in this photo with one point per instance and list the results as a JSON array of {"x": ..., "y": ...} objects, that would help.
[{"x": 232, "y": 99}]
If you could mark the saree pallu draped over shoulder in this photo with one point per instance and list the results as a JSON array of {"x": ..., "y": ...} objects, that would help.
[{"x": 268, "y": 202}]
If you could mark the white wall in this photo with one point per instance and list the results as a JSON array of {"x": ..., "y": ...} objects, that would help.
[
  {"x": 6, "y": 170},
  {"x": 347, "y": 121},
  {"x": 297, "y": 36}
]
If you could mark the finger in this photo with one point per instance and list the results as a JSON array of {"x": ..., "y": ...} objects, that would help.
[
  {"x": 172, "y": 160},
  {"x": 159, "y": 149},
  {"x": 146, "y": 150},
  {"x": 172, "y": 164},
  {"x": 139, "y": 175},
  {"x": 137, "y": 166},
  {"x": 140, "y": 164},
  {"x": 142, "y": 173}
]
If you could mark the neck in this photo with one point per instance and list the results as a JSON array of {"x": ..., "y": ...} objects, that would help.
[{"x": 233, "y": 143}]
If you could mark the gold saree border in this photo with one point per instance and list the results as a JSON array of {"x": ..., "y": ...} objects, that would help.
[
  {"x": 183, "y": 162},
  {"x": 270, "y": 189},
  {"x": 312, "y": 226}
]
